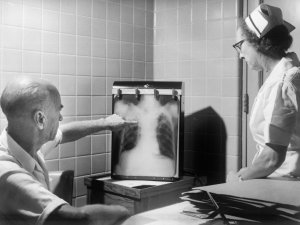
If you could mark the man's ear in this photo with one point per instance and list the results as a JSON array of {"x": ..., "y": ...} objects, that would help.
[{"x": 40, "y": 119}]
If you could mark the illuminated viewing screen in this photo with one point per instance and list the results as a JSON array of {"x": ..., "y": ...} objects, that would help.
[{"x": 149, "y": 149}]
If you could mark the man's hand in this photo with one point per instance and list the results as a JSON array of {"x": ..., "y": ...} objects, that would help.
[{"x": 116, "y": 122}]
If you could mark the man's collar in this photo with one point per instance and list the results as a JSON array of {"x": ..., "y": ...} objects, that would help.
[{"x": 17, "y": 151}]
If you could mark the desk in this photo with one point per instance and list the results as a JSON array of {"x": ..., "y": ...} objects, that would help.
[{"x": 168, "y": 215}]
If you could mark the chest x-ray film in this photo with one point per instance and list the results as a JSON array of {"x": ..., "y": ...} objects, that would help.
[{"x": 150, "y": 149}]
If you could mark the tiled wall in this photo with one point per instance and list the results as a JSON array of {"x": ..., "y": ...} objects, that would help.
[
  {"x": 193, "y": 43},
  {"x": 81, "y": 46}
]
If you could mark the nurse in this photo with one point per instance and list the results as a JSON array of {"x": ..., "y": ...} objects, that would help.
[{"x": 263, "y": 39}]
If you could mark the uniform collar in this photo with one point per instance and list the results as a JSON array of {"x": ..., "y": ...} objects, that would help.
[
  {"x": 291, "y": 60},
  {"x": 17, "y": 151}
]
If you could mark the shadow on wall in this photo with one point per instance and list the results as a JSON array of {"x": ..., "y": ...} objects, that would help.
[{"x": 205, "y": 145}]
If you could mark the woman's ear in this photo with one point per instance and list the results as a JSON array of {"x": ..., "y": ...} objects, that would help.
[{"x": 40, "y": 119}]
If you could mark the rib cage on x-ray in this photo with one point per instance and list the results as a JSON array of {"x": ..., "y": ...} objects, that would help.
[
  {"x": 164, "y": 135},
  {"x": 148, "y": 149}
]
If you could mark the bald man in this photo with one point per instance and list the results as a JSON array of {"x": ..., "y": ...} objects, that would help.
[{"x": 33, "y": 111}]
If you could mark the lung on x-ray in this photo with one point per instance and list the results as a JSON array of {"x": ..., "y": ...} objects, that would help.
[{"x": 150, "y": 149}]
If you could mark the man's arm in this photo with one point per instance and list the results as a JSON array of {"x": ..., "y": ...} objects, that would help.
[
  {"x": 75, "y": 130},
  {"x": 88, "y": 215},
  {"x": 270, "y": 159}
]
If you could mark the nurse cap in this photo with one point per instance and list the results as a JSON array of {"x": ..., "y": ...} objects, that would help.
[{"x": 264, "y": 18}]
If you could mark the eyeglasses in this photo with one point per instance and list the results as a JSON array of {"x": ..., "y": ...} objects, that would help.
[{"x": 237, "y": 46}]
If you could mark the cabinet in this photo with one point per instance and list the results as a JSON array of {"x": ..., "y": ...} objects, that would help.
[{"x": 136, "y": 195}]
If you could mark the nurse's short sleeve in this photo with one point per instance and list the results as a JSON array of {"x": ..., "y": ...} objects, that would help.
[
  {"x": 280, "y": 114},
  {"x": 23, "y": 200}
]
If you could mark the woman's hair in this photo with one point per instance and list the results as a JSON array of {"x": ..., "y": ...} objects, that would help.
[{"x": 274, "y": 44}]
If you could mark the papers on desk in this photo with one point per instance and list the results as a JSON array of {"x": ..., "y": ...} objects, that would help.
[{"x": 256, "y": 200}]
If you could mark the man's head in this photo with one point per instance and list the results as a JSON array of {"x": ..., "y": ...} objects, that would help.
[{"x": 34, "y": 102}]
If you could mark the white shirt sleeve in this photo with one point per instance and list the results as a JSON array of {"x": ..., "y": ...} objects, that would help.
[
  {"x": 280, "y": 113},
  {"x": 23, "y": 200}
]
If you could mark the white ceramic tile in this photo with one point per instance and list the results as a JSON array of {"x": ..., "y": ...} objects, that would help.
[
  {"x": 214, "y": 87},
  {"x": 230, "y": 68},
  {"x": 84, "y": 46},
  {"x": 150, "y": 5},
  {"x": 214, "y": 68},
  {"x": 12, "y": 14},
  {"x": 50, "y": 42},
  {"x": 98, "y": 86},
  {"x": 198, "y": 87},
  {"x": 149, "y": 20},
  {"x": 50, "y": 20},
  {"x": 67, "y": 64},
  {"x": 33, "y": 3},
  {"x": 99, "y": 9},
  {"x": 126, "y": 68},
  {"x": 139, "y": 52},
  {"x": 68, "y": 23},
  {"x": 98, "y": 28},
  {"x": 198, "y": 69},
  {"x": 98, "y": 47},
  {"x": 139, "y": 35},
  {"x": 53, "y": 5},
  {"x": 213, "y": 48},
  {"x": 32, "y": 39},
  {"x": 127, "y": 32},
  {"x": 113, "y": 68},
  {"x": 184, "y": 15},
  {"x": 98, "y": 67},
  {"x": 31, "y": 62},
  {"x": 113, "y": 12},
  {"x": 84, "y": 26},
  {"x": 80, "y": 201},
  {"x": 84, "y": 146},
  {"x": 52, "y": 165},
  {"x": 98, "y": 163},
  {"x": 67, "y": 85},
  {"x": 232, "y": 125},
  {"x": 67, "y": 164},
  {"x": 185, "y": 33},
  {"x": 12, "y": 37},
  {"x": 149, "y": 53},
  {"x": 12, "y": 60},
  {"x": 69, "y": 104},
  {"x": 98, "y": 105},
  {"x": 199, "y": 30},
  {"x": 83, "y": 165},
  {"x": 185, "y": 51},
  {"x": 68, "y": 6},
  {"x": 229, "y": 9},
  {"x": 214, "y": 29},
  {"x": 83, "y": 85},
  {"x": 109, "y": 84},
  {"x": 126, "y": 14},
  {"x": 84, "y": 8},
  {"x": 198, "y": 10},
  {"x": 139, "y": 18},
  {"x": 113, "y": 30},
  {"x": 230, "y": 87},
  {"x": 32, "y": 17},
  {"x": 141, "y": 4},
  {"x": 199, "y": 50},
  {"x": 98, "y": 144},
  {"x": 53, "y": 79},
  {"x": 84, "y": 66},
  {"x": 230, "y": 106},
  {"x": 81, "y": 189},
  {"x": 214, "y": 10},
  {"x": 50, "y": 63},
  {"x": 113, "y": 49},
  {"x": 139, "y": 70},
  {"x": 83, "y": 106},
  {"x": 228, "y": 51},
  {"x": 126, "y": 50},
  {"x": 67, "y": 150}
]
